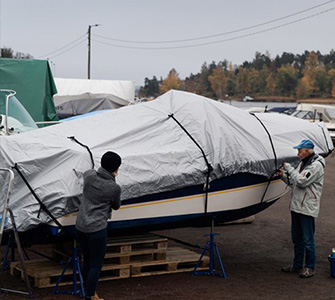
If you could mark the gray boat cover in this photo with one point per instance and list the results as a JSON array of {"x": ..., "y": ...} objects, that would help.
[
  {"x": 82, "y": 106},
  {"x": 157, "y": 153}
]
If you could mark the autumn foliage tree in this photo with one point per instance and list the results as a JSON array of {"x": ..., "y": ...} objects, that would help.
[
  {"x": 309, "y": 74},
  {"x": 218, "y": 81},
  {"x": 171, "y": 82}
]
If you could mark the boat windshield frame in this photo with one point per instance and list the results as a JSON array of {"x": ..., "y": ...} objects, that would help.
[{"x": 14, "y": 118}]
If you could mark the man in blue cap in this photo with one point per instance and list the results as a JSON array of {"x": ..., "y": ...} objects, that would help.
[{"x": 306, "y": 182}]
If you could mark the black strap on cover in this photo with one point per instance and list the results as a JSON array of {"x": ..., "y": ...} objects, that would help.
[
  {"x": 42, "y": 205},
  {"x": 85, "y": 146},
  {"x": 209, "y": 167},
  {"x": 274, "y": 153}
]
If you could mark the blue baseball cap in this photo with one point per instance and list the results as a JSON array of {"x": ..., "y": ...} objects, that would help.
[{"x": 305, "y": 144}]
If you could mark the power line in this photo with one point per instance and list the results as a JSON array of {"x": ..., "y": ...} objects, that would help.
[
  {"x": 63, "y": 47},
  {"x": 216, "y": 35},
  {"x": 216, "y": 42},
  {"x": 192, "y": 39},
  {"x": 68, "y": 49}
]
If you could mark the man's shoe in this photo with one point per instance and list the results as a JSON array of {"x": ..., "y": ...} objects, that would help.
[
  {"x": 96, "y": 297},
  {"x": 291, "y": 269},
  {"x": 307, "y": 273}
]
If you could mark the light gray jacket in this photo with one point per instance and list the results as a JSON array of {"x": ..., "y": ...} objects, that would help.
[{"x": 306, "y": 185}]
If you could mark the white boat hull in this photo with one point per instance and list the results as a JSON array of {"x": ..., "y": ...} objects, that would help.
[{"x": 225, "y": 205}]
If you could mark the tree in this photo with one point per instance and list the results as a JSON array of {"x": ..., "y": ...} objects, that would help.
[
  {"x": 191, "y": 84},
  {"x": 204, "y": 84},
  {"x": 329, "y": 60},
  {"x": 9, "y": 53},
  {"x": 231, "y": 86},
  {"x": 321, "y": 82},
  {"x": 242, "y": 81},
  {"x": 171, "y": 82},
  {"x": 331, "y": 74},
  {"x": 151, "y": 87},
  {"x": 315, "y": 72},
  {"x": 262, "y": 79},
  {"x": 260, "y": 61},
  {"x": 304, "y": 89},
  {"x": 253, "y": 82},
  {"x": 270, "y": 84},
  {"x": 286, "y": 75},
  {"x": 286, "y": 80},
  {"x": 218, "y": 81}
]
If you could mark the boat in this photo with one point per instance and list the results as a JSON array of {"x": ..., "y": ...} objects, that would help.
[
  {"x": 186, "y": 160},
  {"x": 317, "y": 113},
  {"x": 14, "y": 118}
]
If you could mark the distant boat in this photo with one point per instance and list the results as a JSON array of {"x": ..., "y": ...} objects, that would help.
[
  {"x": 185, "y": 159},
  {"x": 317, "y": 113}
]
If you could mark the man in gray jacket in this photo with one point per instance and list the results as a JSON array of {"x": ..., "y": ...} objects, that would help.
[
  {"x": 307, "y": 183},
  {"x": 101, "y": 194}
]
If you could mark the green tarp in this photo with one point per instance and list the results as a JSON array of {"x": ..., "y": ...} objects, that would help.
[{"x": 34, "y": 85}]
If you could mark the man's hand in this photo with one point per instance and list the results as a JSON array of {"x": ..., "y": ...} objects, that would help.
[{"x": 280, "y": 172}]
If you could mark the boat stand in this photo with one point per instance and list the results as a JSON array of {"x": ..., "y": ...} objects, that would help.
[
  {"x": 75, "y": 269},
  {"x": 9, "y": 248},
  {"x": 6, "y": 181},
  {"x": 10, "y": 251},
  {"x": 213, "y": 249}
]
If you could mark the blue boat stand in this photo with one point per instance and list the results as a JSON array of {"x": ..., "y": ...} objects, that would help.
[
  {"x": 76, "y": 269},
  {"x": 9, "y": 248},
  {"x": 213, "y": 249}
]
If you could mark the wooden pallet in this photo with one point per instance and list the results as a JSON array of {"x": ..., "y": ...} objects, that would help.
[
  {"x": 123, "y": 250},
  {"x": 178, "y": 260},
  {"x": 45, "y": 273},
  {"x": 138, "y": 256}
]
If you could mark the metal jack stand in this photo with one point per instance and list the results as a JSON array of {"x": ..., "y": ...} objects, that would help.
[
  {"x": 6, "y": 182},
  {"x": 75, "y": 269},
  {"x": 212, "y": 247},
  {"x": 9, "y": 248}
]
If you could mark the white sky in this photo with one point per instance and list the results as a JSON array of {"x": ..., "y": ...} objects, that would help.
[{"x": 39, "y": 27}]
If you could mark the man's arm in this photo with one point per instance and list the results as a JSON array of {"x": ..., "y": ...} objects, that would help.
[
  {"x": 306, "y": 177},
  {"x": 284, "y": 175},
  {"x": 116, "y": 202}
]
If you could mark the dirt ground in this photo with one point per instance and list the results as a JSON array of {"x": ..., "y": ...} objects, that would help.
[{"x": 252, "y": 256}]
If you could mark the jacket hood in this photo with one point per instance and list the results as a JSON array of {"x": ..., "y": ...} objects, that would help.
[{"x": 320, "y": 159}]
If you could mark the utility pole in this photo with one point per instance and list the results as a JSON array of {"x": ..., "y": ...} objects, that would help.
[{"x": 89, "y": 49}]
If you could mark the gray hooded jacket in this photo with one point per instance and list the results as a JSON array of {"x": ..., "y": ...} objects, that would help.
[
  {"x": 306, "y": 185},
  {"x": 100, "y": 195}
]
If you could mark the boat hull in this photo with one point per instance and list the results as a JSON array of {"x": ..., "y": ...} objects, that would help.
[{"x": 229, "y": 199}]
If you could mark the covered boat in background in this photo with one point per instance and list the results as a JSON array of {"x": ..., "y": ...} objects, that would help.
[
  {"x": 184, "y": 158},
  {"x": 80, "y": 96}
]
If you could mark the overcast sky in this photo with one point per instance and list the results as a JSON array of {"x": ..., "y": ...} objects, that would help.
[{"x": 57, "y": 29}]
